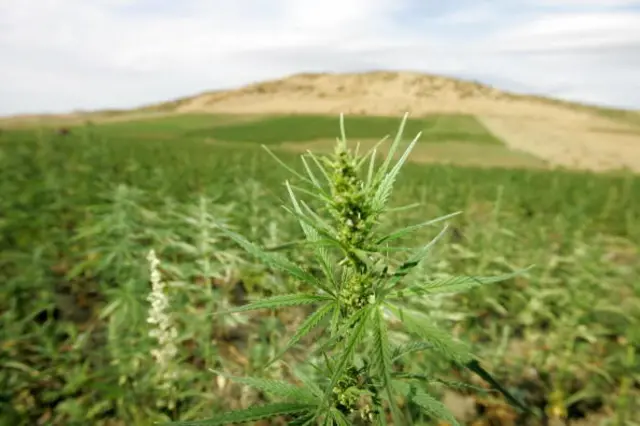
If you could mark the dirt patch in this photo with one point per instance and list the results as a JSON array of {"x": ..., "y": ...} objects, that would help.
[
  {"x": 567, "y": 143},
  {"x": 463, "y": 407}
]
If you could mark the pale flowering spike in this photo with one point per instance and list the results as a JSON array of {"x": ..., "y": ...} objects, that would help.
[
  {"x": 221, "y": 382},
  {"x": 160, "y": 317}
]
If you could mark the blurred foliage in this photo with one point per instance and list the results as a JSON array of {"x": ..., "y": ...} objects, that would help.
[{"x": 79, "y": 212}]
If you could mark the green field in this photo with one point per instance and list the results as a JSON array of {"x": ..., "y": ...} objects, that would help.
[
  {"x": 306, "y": 128},
  {"x": 295, "y": 128},
  {"x": 79, "y": 213}
]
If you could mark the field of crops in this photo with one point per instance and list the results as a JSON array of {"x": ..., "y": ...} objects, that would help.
[{"x": 79, "y": 213}]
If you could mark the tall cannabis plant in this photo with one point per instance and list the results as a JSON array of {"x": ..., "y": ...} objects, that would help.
[{"x": 363, "y": 287}]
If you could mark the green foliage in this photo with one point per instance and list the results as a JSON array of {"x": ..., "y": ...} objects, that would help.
[
  {"x": 79, "y": 213},
  {"x": 353, "y": 206},
  {"x": 253, "y": 414}
]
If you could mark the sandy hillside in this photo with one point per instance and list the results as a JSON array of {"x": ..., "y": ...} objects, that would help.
[{"x": 561, "y": 134}]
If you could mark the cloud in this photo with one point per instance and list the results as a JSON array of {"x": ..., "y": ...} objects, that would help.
[
  {"x": 60, "y": 55},
  {"x": 574, "y": 31}
]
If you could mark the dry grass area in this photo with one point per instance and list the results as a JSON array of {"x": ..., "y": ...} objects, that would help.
[
  {"x": 569, "y": 144},
  {"x": 562, "y": 134}
]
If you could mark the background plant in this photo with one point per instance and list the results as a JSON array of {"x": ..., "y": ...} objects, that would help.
[{"x": 361, "y": 291}]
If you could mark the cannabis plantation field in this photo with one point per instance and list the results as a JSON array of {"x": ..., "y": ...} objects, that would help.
[{"x": 79, "y": 213}]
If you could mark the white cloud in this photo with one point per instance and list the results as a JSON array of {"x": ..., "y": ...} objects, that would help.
[
  {"x": 64, "y": 54},
  {"x": 574, "y": 31}
]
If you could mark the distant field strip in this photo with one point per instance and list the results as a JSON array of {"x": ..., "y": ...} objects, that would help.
[
  {"x": 271, "y": 130},
  {"x": 143, "y": 127},
  {"x": 308, "y": 128},
  {"x": 172, "y": 126}
]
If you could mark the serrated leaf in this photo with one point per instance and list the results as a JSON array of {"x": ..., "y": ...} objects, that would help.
[
  {"x": 343, "y": 133},
  {"x": 317, "y": 195},
  {"x": 370, "y": 156},
  {"x": 312, "y": 235},
  {"x": 283, "y": 164},
  {"x": 383, "y": 191},
  {"x": 382, "y": 171},
  {"x": 334, "y": 325},
  {"x": 409, "y": 229},
  {"x": 408, "y": 348},
  {"x": 381, "y": 352},
  {"x": 403, "y": 208},
  {"x": 420, "y": 324},
  {"x": 303, "y": 420},
  {"x": 372, "y": 164},
  {"x": 250, "y": 414},
  {"x": 426, "y": 402},
  {"x": 312, "y": 176},
  {"x": 275, "y": 302},
  {"x": 339, "y": 418},
  {"x": 313, "y": 221},
  {"x": 381, "y": 360},
  {"x": 305, "y": 379},
  {"x": 456, "y": 284},
  {"x": 413, "y": 261},
  {"x": 285, "y": 246},
  {"x": 415, "y": 376},
  {"x": 326, "y": 227},
  {"x": 271, "y": 259},
  {"x": 274, "y": 387},
  {"x": 327, "y": 362},
  {"x": 319, "y": 165},
  {"x": 344, "y": 327},
  {"x": 309, "y": 324},
  {"x": 449, "y": 383},
  {"x": 354, "y": 337}
]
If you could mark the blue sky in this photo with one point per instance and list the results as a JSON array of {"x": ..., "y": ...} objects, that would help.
[{"x": 62, "y": 55}]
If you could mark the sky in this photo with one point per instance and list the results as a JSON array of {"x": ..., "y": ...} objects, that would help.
[{"x": 65, "y": 55}]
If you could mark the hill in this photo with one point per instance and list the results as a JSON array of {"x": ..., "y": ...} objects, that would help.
[{"x": 562, "y": 133}]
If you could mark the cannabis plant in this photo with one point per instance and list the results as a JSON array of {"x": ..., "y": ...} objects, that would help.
[{"x": 363, "y": 290}]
